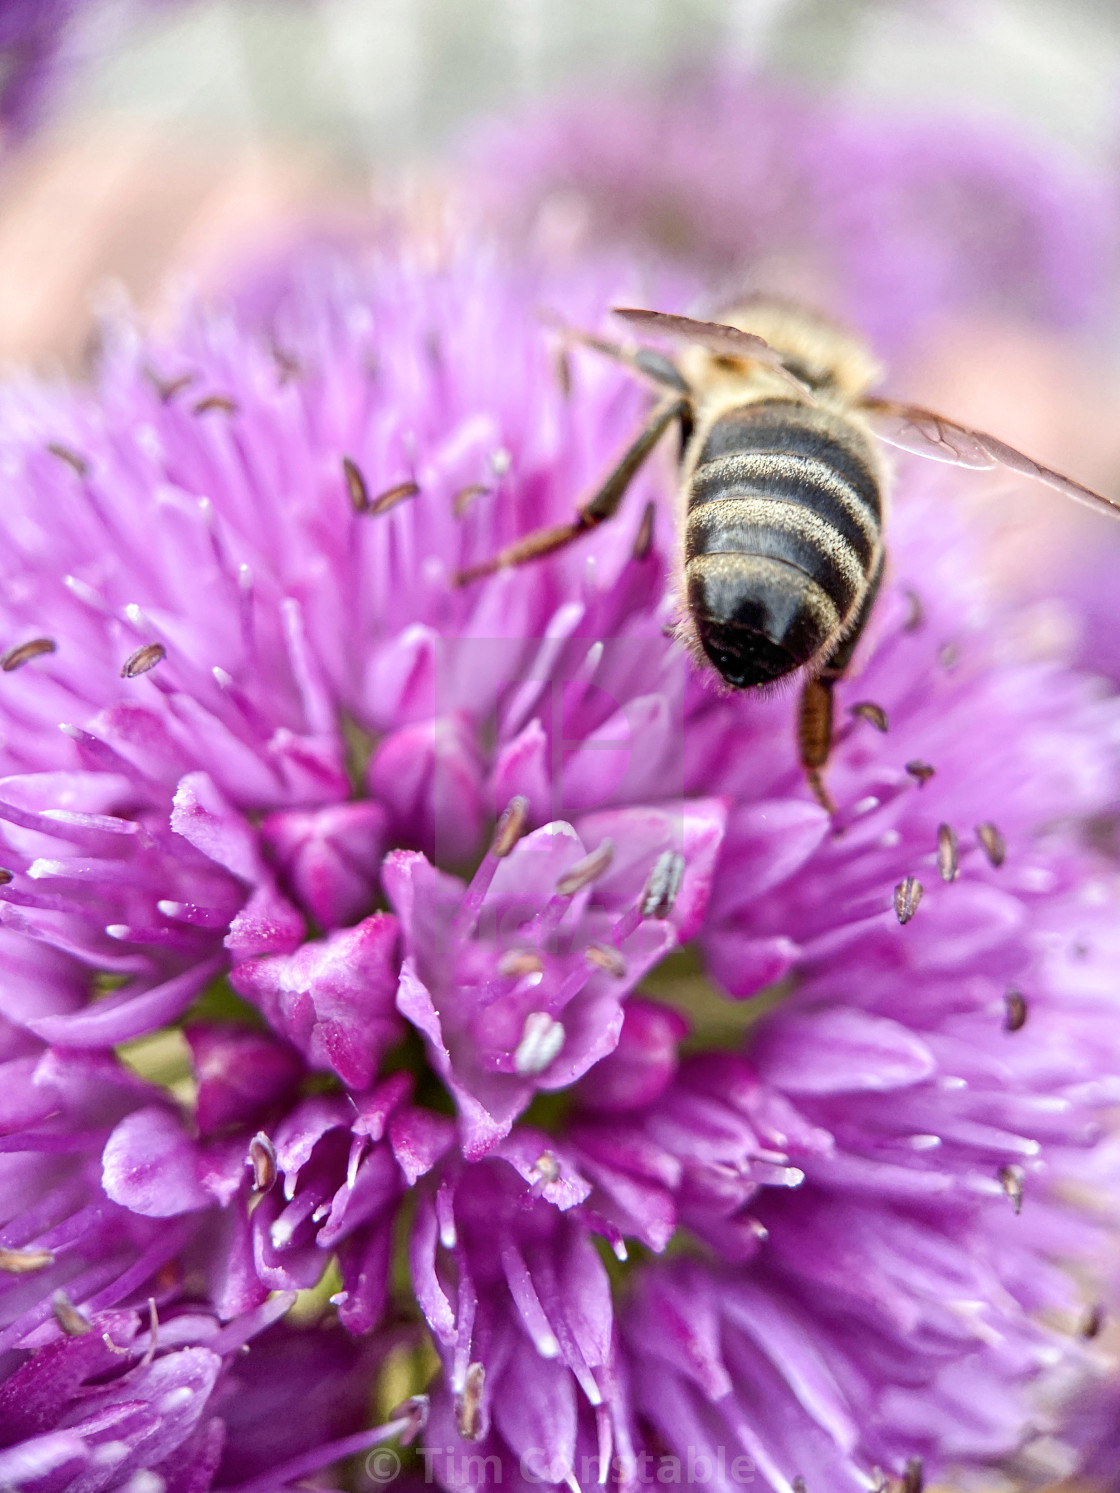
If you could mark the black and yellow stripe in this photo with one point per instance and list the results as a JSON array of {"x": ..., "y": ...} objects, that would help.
[{"x": 782, "y": 535}]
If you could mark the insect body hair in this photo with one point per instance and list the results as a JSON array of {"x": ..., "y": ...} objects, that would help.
[{"x": 779, "y": 513}]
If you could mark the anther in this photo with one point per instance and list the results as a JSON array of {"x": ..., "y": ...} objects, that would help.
[
  {"x": 1011, "y": 1180},
  {"x": 799, "y": 1485},
  {"x": 23, "y": 653},
  {"x": 73, "y": 1322},
  {"x": 995, "y": 846},
  {"x": 907, "y": 895},
  {"x": 585, "y": 871},
  {"x": 947, "y": 852},
  {"x": 867, "y": 711},
  {"x": 153, "y": 1332},
  {"x": 663, "y": 885},
  {"x": 914, "y": 1480},
  {"x": 948, "y": 655},
  {"x": 920, "y": 770},
  {"x": 167, "y": 388},
  {"x": 1092, "y": 1321},
  {"x": 414, "y": 1411},
  {"x": 541, "y": 1041},
  {"x": 1015, "y": 1017},
  {"x": 355, "y": 485},
  {"x": 643, "y": 539},
  {"x": 221, "y": 402},
  {"x": 143, "y": 660},
  {"x": 511, "y": 826},
  {"x": 24, "y": 1261},
  {"x": 468, "y": 1403},
  {"x": 466, "y": 496},
  {"x": 287, "y": 364},
  {"x": 262, "y": 1158},
  {"x": 602, "y": 956},
  {"x": 5, "y": 876},
  {"x": 547, "y": 1167},
  {"x": 516, "y": 963},
  {"x": 75, "y": 462},
  {"x": 392, "y": 496},
  {"x": 915, "y": 612}
]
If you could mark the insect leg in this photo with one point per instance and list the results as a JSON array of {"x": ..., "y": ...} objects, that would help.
[
  {"x": 603, "y": 504},
  {"x": 814, "y": 717},
  {"x": 655, "y": 366}
]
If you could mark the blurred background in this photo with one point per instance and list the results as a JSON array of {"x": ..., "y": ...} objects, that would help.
[{"x": 172, "y": 137}]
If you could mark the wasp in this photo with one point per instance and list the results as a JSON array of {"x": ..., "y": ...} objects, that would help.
[{"x": 782, "y": 494}]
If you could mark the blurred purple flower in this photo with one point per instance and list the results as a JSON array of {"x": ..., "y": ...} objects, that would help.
[
  {"x": 395, "y": 857},
  {"x": 893, "y": 222},
  {"x": 43, "y": 43}
]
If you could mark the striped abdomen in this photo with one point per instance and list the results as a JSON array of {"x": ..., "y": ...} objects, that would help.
[{"x": 781, "y": 537}]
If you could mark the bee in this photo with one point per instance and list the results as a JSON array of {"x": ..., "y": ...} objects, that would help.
[{"x": 782, "y": 493}]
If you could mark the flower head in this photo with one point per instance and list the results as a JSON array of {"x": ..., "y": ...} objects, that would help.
[{"x": 524, "y": 1002}]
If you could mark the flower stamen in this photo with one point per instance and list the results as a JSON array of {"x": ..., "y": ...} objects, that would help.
[
  {"x": 510, "y": 828},
  {"x": 875, "y": 714},
  {"x": 663, "y": 885},
  {"x": 605, "y": 958},
  {"x": 541, "y": 1041},
  {"x": 211, "y": 402},
  {"x": 995, "y": 847},
  {"x": 585, "y": 871},
  {"x": 73, "y": 1322},
  {"x": 1017, "y": 1011},
  {"x": 515, "y": 964},
  {"x": 1092, "y": 1321},
  {"x": 547, "y": 1167},
  {"x": 947, "y": 864},
  {"x": 72, "y": 459},
  {"x": 24, "y": 1261},
  {"x": 391, "y": 497},
  {"x": 414, "y": 1412},
  {"x": 23, "y": 653},
  {"x": 144, "y": 659},
  {"x": 528, "y": 1302},
  {"x": 355, "y": 485},
  {"x": 262, "y": 1158},
  {"x": 1011, "y": 1180},
  {"x": 907, "y": 895},
  {"x": 153, "y": 1333},
  {"x": 466, "y": 496}
]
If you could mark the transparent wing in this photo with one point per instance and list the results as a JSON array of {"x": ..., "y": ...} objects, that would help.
[
  {"x": 724, "y": 341},
  {"x": 911, "y": 428}
]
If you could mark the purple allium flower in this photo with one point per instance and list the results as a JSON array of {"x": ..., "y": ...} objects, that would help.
[
  {"x": 893, "y": 221},
  {"x": 383, "y": 864},
  {"x": 113, "y": 1404}
]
